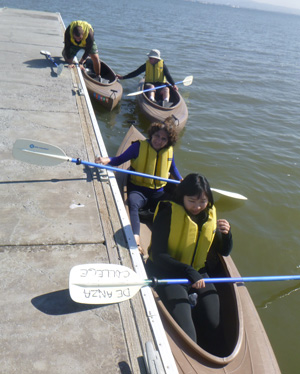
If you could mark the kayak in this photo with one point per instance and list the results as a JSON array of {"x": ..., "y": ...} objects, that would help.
[
  {"x": 154, "y": 111},
  {"x": 246, "y": 348},
  {"x": 108, "y": 91}
]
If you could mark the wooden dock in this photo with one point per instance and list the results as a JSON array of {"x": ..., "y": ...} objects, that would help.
[{"x": 53, "y": 218}]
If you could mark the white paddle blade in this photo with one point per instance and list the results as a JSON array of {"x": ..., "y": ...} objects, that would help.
[
  {"x": 230, "y": 194},
  {"x": 188, "y": 80},
  {"x": 38, "y": 153},
  {"x": 136, "y": 93},
  {"x": 103, "y": 283},
  {"x": 59, "y": 69},
  {"x": 45, "y": 53}
]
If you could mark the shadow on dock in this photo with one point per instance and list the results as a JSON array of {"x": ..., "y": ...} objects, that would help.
[{"x": 59, "y": 303}]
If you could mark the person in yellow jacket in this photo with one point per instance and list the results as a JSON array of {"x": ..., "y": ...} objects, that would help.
[
  {"x": 152, "y": 156},
  {"x": 80, "y": 35},
  {"x": 185, "y": 233},
  {"x": 156, "y": 74}
]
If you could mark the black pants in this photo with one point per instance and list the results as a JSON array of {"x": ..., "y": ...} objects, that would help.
[
  {"x": 138, "y": 199},
  {"x": 202, "y": 322}
]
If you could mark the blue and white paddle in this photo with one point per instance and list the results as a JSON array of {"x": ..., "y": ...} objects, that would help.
[
  {"x": 59, "y": 67},
  {"x": 186, "y": 82},
  {"x": 111, "y": 283},
  {"x": 40, "y": 153}
]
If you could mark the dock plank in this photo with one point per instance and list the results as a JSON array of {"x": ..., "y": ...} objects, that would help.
[{"x": 54, "y": 218}]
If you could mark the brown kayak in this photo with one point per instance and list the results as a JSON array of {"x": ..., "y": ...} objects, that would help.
[
  {"x": 154, "y": 111},
  {"x": 109, "y": 91},
  {"x": 246, "y": 347}
]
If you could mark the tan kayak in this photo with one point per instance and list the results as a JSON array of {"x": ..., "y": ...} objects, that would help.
[
  {"x": 246, "y": 348},
  {"x": 108, "y": 92},
  {"x": 154, "y": 111}
]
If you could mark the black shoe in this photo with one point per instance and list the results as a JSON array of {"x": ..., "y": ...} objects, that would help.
[{"x": 146, "y": 214}]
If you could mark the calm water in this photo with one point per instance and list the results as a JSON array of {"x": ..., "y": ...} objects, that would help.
[{"x": 242, "y": 131}]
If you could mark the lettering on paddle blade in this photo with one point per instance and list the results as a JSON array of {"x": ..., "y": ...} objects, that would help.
[
  {"x": 104, "y": 273},
  {"x": 98, "y": 293},
  {"x": 103, "y": 283},
  {"x": 102, "y": 293}
]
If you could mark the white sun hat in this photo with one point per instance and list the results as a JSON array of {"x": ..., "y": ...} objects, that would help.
[{"x": 154, "y": 53}]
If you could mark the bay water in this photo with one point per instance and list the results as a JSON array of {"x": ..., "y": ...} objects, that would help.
[{"x": 243, "y": 127}]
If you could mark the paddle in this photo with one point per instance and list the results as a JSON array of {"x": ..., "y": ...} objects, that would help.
[
  {"x": 40, "y": 153},
  {"x": 111, "y": 283},
  {"x": 186, "y": 82},
  {"x": 59, "y": 67}
]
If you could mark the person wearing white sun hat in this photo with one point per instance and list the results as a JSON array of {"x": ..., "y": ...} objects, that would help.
[{"x": 157, "y": 74}]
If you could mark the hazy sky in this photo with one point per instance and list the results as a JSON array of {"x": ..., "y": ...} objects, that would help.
[{"x": 285, "y": 3}]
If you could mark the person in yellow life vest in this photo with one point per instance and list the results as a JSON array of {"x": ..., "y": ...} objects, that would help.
[
  {"x": 185, "y": 233},
  {"x": 80, "y": 35},
  {"x": 152, "y": 156},
  {"x": 157, "y": 74}
]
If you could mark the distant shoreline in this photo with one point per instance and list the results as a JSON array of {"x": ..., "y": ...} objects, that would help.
[{"x": 248, "y": 4}]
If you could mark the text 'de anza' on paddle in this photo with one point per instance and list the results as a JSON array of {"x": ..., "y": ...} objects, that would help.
[
  {"x": 111, "y": 283},
  {"x": 44, "y": 154}
]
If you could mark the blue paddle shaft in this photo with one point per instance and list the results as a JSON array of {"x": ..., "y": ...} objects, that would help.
[
  {"x": 51, "y": 59},
  {"x": 233, "y": 280},
  {"x": 100, "y": 166},
  {"x": 164, "y": 85}
]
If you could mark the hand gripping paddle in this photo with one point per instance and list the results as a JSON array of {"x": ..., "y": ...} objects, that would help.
[
  {"x": 110, "y": 283},
  {"x": 40, "y": 153}
]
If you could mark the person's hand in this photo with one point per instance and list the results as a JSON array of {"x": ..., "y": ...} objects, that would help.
[
  {"x": 102, "y": 160},
  {"x": 71, "y": 66},
  {"x": 223, "y": 226},
  {"x": 175, "y": 87},
  {"x": 119, "y": 76},
  {"x": 199, "y": 284}
]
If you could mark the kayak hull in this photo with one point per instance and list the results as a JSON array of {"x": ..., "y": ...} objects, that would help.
[
  {"x": 108, "y": 92},
  {"x": 247, "y": 349},
  {"x": 153, "y": 111}
]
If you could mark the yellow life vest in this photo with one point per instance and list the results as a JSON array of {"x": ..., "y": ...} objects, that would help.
[
  {"x": 155, "y": 73},
  {"x": 149, "y": 161},
  {"x": 184, "y": 243},
  {"x": 86, "y": 29}
]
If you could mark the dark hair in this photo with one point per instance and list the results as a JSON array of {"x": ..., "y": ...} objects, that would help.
[
  {"x": 77, "y": 31},
  {"x": 193, "y": 185},
  {"x": 169, "y": 126}
]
